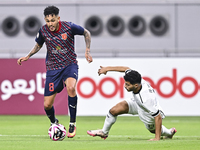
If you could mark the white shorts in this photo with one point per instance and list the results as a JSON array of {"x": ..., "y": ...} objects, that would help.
[{"x": 145, "y": 117}]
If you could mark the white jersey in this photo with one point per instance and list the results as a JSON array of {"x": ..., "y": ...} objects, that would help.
[{"x": 147, "y": 104}]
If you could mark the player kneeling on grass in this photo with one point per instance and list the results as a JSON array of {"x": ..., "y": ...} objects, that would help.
[{"x": 143, "y": 103}]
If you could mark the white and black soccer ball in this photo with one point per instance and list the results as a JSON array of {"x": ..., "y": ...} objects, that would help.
[{"x": 57, "y": 132}]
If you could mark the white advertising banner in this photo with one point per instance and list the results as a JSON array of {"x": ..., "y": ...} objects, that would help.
[{"x": 176, "y": 81}]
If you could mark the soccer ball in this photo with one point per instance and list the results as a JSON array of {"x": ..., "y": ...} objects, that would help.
[{"x": 57, "y": 132}]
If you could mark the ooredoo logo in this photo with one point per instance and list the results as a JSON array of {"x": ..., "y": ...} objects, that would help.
[
  {"x": 119, "y": 86},
  {"x": 175, "y": 85}
]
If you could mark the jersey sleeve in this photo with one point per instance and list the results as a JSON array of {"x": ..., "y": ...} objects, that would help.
[
  {"x": 39, "y": 38},
  {"x": 76, "y": 29}
]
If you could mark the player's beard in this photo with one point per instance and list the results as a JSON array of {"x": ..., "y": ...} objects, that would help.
[
  {"x": 131, "y": 89},
  {"x": 127, "y": 89},
  {"x": 53, "y": 28}
]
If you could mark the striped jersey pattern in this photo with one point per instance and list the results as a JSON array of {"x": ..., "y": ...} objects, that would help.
[{"x": 60, "y": 46}]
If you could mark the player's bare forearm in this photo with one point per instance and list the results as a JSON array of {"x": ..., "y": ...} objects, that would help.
[
  {"x": 158, "y": 126},
  {"x": 104, "y": 70},
  {"x": 87, "y": 39},
  {"x": 117, "y": 68},
  {"x": 35, "y": 49},
  {"x": 87, "y": 42}
]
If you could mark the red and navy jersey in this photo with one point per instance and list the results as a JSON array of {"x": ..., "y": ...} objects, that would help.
[{"x": 60, "y": 44}]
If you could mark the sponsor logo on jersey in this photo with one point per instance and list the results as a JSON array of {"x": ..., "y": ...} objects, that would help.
[{"x": 58, "y": 47}]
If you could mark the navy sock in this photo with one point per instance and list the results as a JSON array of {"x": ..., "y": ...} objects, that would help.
[
  {"x": 72, "y": 104},
  {"x": 51, "y": 114}
]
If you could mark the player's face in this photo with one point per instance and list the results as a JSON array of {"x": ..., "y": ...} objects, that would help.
[
  {"x": 131, "y": 87},
  {"x": 128, "y": 86},
  {"x": 52, "y": 22}
]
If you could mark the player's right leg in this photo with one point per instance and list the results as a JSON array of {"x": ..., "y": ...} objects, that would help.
[
  {"x": 53, "y": 85},
  {"x": 49, "y": 109},
  {"x": 120, "y": 108}
]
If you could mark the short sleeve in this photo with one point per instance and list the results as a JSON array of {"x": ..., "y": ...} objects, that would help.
[
  {"x": 76, "y": 29},
  {"x": 39, "y": 38}
]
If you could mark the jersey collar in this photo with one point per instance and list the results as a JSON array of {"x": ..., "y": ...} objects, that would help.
[{"x": 58, "y": 28}]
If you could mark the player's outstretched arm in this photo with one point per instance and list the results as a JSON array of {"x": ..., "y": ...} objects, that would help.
[
  {"x": 158, "y": 126},
  {"x": 87, "y": 42},
  {"x": 35, "y": 49},
  {"x": 104, "y": 70}
]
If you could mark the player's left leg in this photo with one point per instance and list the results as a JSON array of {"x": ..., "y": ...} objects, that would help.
[
  {"x": 72, "y": 104},
  {"x": 165, "y": 133}
]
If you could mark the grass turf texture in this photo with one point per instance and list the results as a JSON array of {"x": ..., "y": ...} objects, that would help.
[{"x": 31, "y": 133}]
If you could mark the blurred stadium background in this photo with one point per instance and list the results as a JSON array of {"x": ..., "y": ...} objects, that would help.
[
  {"x": 120, "y": 28},
  {"x": 139, "y": 29}
]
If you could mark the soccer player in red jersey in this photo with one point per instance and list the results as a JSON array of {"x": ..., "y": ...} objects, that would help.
[{"x": 61, "y": 63}]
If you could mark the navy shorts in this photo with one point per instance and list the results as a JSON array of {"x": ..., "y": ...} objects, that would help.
[{"x": 55, "y": 79}]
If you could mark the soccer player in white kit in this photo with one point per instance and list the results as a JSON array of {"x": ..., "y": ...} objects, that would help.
[{"x": 143, "y": 103}]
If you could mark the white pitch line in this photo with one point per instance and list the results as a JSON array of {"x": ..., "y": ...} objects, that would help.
[
  {"x": 115, "y": 136},
  {"x": 23, "y": 135}
]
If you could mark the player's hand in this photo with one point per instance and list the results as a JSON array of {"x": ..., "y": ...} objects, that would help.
[
  {"x": 102, "y": 70},
  {"x": 155, "y": 139},
  {"x": 88, "y": 57},
  {"x": 20, "y": 60}
]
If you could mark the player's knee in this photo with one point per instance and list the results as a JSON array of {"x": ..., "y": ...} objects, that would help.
[
  {"x": 152, "y": 131},
  {"x": 113, "y": 111},
  {"x": 47, "y": 106},
  {"x": 71, "y": 90},
  {"x": 120, "y": 108}
]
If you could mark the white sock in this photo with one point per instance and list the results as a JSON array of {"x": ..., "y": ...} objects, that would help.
[
  {"x": 165, "y": 131},
  {"x": 109, "y": 121},
  {"x": 73, "y": 123}
]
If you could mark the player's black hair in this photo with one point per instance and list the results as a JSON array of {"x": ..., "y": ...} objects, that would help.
[
  {"x": 132, "y": 76},
  {"x": 51, "y": 10}
]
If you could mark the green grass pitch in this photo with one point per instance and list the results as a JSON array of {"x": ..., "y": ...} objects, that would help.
[{"x": 128, "y": 133}]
